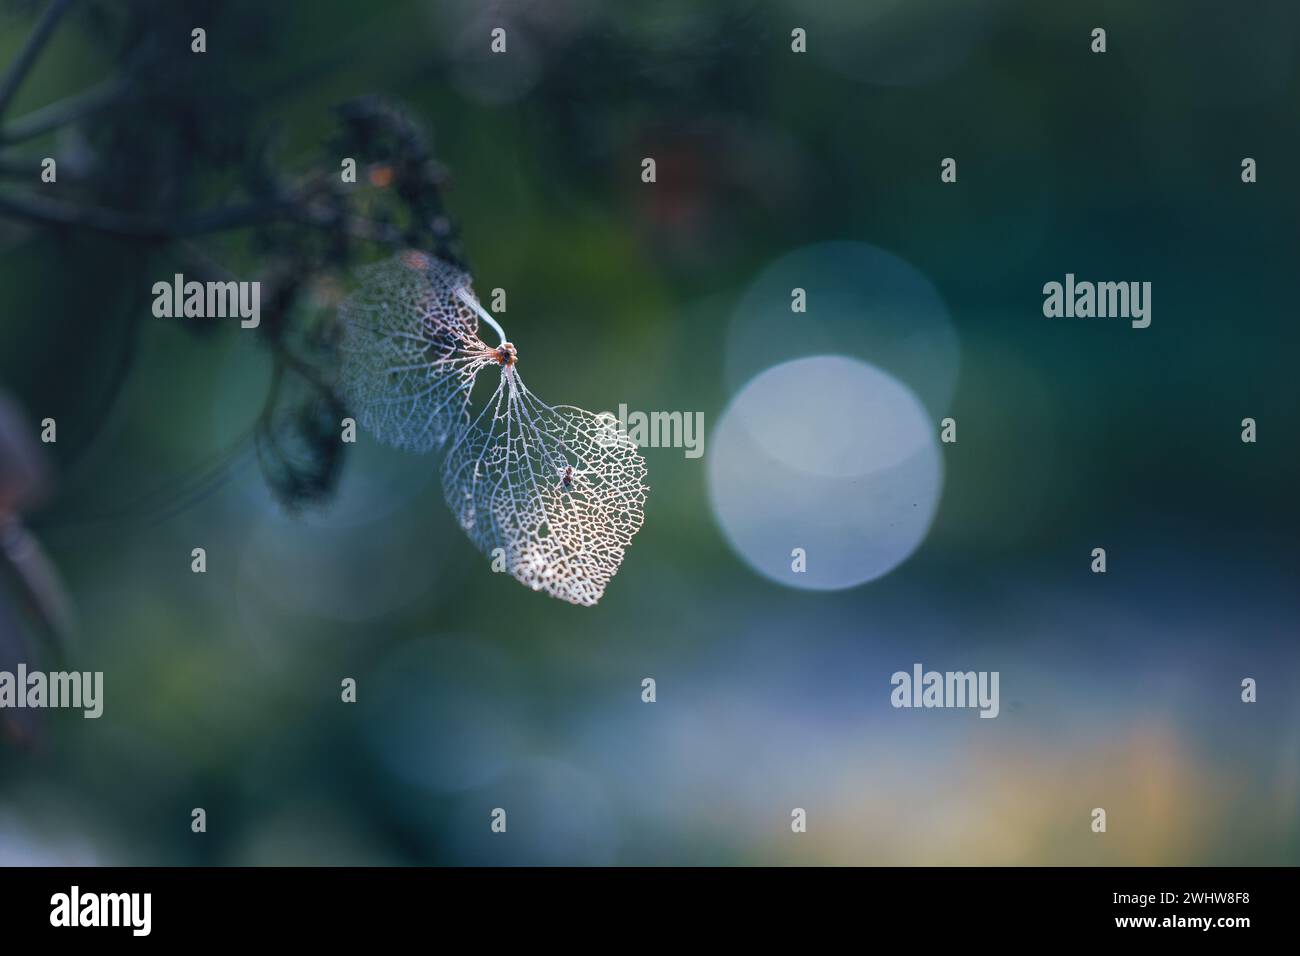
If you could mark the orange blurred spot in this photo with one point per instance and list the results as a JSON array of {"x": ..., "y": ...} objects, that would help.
[{"x": 415, "y": 260}]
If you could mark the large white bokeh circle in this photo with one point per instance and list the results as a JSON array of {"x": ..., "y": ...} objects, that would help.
[{"x": 829, "y": 455}]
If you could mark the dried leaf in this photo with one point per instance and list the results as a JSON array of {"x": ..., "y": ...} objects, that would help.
[
  {"x": 559, "y": 490},
  {"x": 410, "y": 351},
  {"x": 556, "y": 493}
]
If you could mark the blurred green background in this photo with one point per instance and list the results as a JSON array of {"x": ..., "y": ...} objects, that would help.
[{"x": 1119, "y": 691}]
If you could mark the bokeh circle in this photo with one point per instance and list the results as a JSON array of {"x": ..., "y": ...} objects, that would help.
[
  {"x": 830, "y": 456},
  {"x": 859, "y": 300}
]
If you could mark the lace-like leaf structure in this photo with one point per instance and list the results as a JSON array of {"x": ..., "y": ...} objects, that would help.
[
  {"x": 411, "y": 351},
  {"x": 559, "y": 490},
  {"x": 557, "y": 493}
]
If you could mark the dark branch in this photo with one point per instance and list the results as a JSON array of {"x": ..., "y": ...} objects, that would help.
[
  {"x": 51, "y": 212},
  {"x": 63, "y": 111},
  {"x": 40, "y": 35}
]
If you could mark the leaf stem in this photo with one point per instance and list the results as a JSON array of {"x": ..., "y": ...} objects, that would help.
[{"x": 468, "y": 298}]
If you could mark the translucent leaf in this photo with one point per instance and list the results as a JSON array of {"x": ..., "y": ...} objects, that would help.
[
  {"x": 410, "y": 351},
  {"x": 559, "y": 490},
  {"x": 556, "y": 493}
]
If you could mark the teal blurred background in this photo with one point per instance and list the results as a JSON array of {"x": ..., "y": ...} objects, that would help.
[{"x": 1119, "y": 691}]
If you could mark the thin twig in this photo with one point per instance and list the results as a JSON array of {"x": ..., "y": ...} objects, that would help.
[
  {"x": 64, "y": 111},
  {"x": 53, "y": 212},
  {"x": 40, "y": 35}
]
